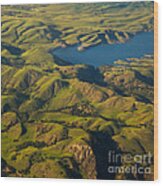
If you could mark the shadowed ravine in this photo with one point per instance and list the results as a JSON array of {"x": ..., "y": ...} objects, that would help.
[
  {"x": 77, "y": 83},
  {"x": 102, "y": 144}
]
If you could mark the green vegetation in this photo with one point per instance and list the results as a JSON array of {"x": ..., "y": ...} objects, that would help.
[{"x": 57, "y": 117}]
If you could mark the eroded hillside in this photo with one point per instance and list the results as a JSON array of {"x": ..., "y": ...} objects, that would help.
[{"x": 60, "y": 119}]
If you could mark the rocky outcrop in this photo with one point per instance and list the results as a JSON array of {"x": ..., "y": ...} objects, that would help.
[{"x": 85, "y": 157}]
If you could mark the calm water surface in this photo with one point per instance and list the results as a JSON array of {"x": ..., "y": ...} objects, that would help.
[{"x": 140, "y": 45}]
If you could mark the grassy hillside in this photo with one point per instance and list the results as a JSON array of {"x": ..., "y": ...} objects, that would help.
[{"x": 60, "y": 119}]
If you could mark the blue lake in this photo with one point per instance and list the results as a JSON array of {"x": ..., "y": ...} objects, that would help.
[{"x": 138, "y": 46}]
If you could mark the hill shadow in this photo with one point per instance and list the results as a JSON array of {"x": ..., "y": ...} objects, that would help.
[{"x": 102, "y": 144}]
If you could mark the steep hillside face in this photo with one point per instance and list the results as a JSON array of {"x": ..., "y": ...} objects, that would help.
[
  {"x": 48, "y": 117},
  {"x": 59, "y": 119},
  {"x": 132, "y": 77}
]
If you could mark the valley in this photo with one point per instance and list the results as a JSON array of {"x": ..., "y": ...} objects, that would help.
[{"x": 61, "y": 117}]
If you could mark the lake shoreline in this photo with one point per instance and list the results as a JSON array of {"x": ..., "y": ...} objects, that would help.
[{"x": 106, "y": 54}]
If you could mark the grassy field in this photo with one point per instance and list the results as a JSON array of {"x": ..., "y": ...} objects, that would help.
[{"x": 57, "y": 116}]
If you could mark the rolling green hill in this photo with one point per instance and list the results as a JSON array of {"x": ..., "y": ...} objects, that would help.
[{"x": 60, "y": 119}]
